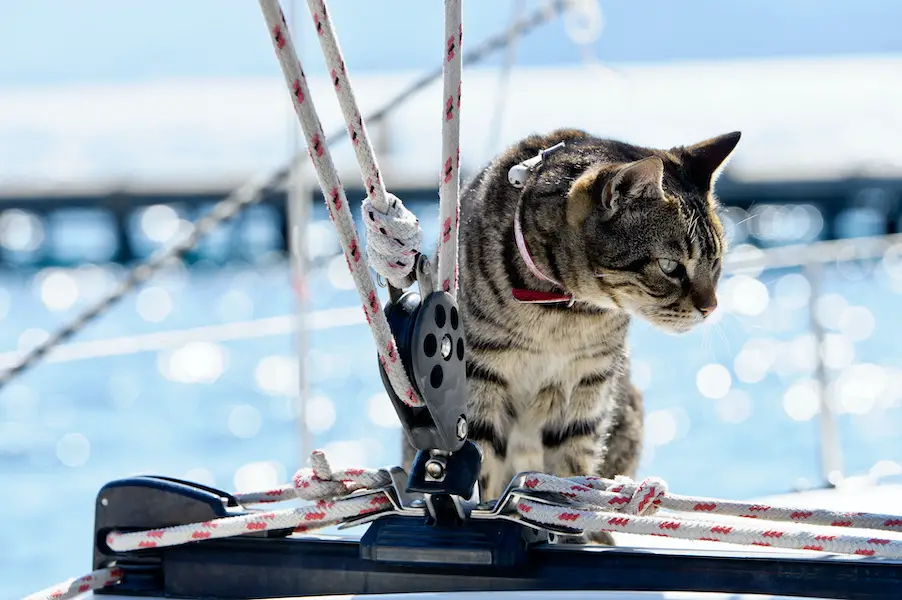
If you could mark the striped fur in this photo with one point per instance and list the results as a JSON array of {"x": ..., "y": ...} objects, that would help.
[{"x": 549, "y": 385}]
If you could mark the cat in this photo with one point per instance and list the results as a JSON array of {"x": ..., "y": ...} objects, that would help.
[{"x": 620, "y": 230}]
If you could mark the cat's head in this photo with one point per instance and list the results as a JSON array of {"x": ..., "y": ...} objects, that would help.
[{"x": 652, "y": 238}]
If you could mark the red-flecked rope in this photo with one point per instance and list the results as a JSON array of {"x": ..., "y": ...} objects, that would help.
[
  {"x": 330, "y": 489},
  {"x": 336, "y": 202},
  {"x": 393, "y": 233},
  {"x": 622, "y": 505},
  {"x": 587, "y": 504},
  {"x": 592, "y": 504},
  {"x": 74, "y": 587},
  {"x": 319, "y": 482},
  {"x": 623, "y": 492},
  {"x": 449, "y": 189},
  {"x": 321, "y": 514},
  {"x": 708, "y": 531}
]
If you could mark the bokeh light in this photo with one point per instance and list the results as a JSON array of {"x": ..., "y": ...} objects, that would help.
[
  {"x": 713, "y": 381},
  {"x": 802, "y": 400},
  {"x": 160, "y": 223},
  {"x": 261, "y": 475},
  {"x": 153, "y": 304},
  {"x": 20, "y": 230},
  {"x": 58, "y": 289},
  {"x": 381, "y": 412},
  {"x": 320, "y": 415},
  {"x": 278, "y": 375},
  {"x": 194, "y": 362},
  {"x": 73, "y": 450}
]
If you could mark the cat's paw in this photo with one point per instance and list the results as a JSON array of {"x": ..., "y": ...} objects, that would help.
[
  {"x": 601, "y": 537},
  {"x": 578, "y": 539}
]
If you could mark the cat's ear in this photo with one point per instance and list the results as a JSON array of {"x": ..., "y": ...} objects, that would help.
[
  {"x": 636, "y": 179},
  {"x": 611, "y": 190},
  {"x": 705, "y": 161}
]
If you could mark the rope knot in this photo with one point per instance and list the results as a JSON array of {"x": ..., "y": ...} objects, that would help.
[
  {"x": 320, "y": 482},
  {"x": 392, "y": 239},
  {"x": 644, "y": 497}
]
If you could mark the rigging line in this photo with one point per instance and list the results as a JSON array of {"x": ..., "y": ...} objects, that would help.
[
  {"x": 234, "y": 331},
  {"x": 297, "y": 213},
  {"x": 253, "y": 190}
]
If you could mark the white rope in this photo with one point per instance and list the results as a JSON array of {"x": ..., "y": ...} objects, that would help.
[
  {"x": 393, "y": 238},
  {"x": 449, "y": 190},
  {"x": 319, "y": 482},
  {"x": 336, "y": 201},
  {"x": 393, "y": 232},
  {"x": 330, "y": 489},
  {"x": 621, "y": 505},
  {"x": 588, "y": 504},
  {"x": 592, "y": 504},
  {"x": 322, "y": 514},
  {"x": 623, "y": 492},
  {"x": 709, "y": 531},
  {"x": 366, "y": 158},
  {"x": 74, "y": 587}
]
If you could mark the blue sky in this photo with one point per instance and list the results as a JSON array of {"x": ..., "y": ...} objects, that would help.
[{"x": 109, "y": 41}]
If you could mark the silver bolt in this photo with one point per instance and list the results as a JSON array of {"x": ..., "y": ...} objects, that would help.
[
  {"x": 435, "y": 469},
  {"x": 447, "y": 347},
  {"x": 462, "y": 428}
]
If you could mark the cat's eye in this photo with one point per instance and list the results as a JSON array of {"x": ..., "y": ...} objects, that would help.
[{"x": 668, "y": 266}]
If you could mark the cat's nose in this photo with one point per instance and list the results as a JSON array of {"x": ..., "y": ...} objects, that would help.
[
  {"x": 705, "y": 301},
  {"x": 707, "y": 310}
]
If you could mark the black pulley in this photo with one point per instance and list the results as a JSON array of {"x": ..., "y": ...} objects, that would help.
[{"x": 429, "y": 332}]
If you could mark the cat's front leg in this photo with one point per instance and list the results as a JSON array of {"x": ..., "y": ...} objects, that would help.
[
  {"x": 575, "y": 442},
  {"x": 490, "y": 418},
  {"x": 623, "y": 446}
]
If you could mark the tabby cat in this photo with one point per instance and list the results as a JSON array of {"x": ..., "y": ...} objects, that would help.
[{"x": 620, "y": 230}]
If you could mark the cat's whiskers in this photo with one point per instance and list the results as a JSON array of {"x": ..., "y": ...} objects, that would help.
[
  {"x": 706, "y": 343},
  {"x": 743, "y": 320},
  {"x": 735, "y": 226},
  {"x": 717, "y": 327}
]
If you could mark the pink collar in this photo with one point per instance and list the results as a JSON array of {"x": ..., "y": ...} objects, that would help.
[{"x": 535, "y": 296}]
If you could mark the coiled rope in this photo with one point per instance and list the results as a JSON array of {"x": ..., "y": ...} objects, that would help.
[
  {"x": 592, "y": 500},
  {"x": 574, "y": 505},
  {"x": 253, "y": 191},
  {"x": 584, "y": 504}
]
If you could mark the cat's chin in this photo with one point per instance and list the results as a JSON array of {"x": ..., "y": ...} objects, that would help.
[
  {"x": 670, "y": 325},
  {"x": 675, "y": 329}
]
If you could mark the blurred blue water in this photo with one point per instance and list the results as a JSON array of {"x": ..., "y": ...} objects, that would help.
[{"x": 714, "y": 426}]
